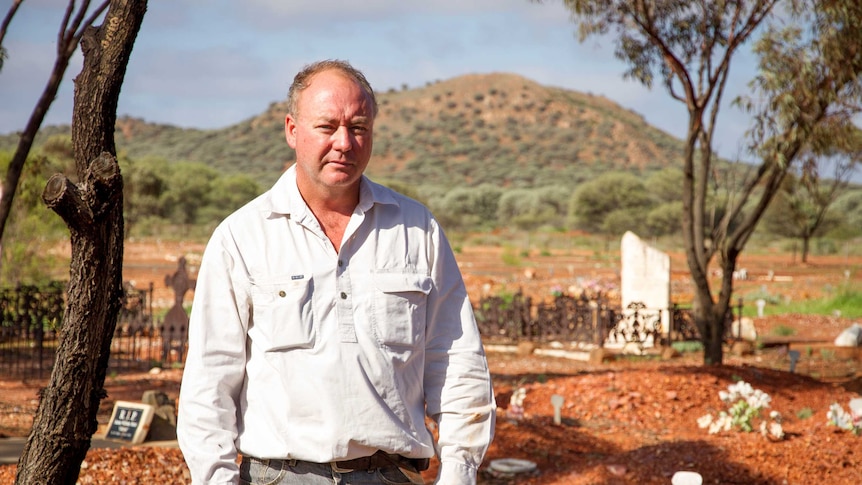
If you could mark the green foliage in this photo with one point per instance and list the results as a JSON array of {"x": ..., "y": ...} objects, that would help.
[
  {"x": 800, "y": 209},
  {"x": 805, "y": 413},
  {"x": 473, "y": 209},
  {"x": 510, "y": 256},
  {"x": 783, "y": 331},
  {"x": 160, "y": 195},
  {"x": 849, "y": 206},
  {"x": 531, "y": 208},
  {"x": 665, "y": 219},
  {"x": 611, "y": 204},
  {"x": 845, "y": 300},
  {"x": 687, "y": 346},
  {"x": 32, "y": 228}
]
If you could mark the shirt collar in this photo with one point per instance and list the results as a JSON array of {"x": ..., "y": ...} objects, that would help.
[{"x": 285, "y": 198}]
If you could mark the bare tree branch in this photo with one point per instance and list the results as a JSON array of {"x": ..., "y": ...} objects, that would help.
[{"x": 68, "y": 39}]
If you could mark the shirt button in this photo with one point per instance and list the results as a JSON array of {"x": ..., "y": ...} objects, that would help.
[
  {"x": 343, "y": 295},
  {"x": 340, "y": 263},
  {"x": 281, "y": 293}
]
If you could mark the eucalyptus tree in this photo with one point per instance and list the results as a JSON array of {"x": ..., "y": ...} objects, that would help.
[
  {"x": 92, "y": 209},
  {"x": 801, "y": 209},
  {"x": 810, "y": 54}
]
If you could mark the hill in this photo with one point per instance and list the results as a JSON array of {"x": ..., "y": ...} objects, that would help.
[{"x": 497, "y": 128}]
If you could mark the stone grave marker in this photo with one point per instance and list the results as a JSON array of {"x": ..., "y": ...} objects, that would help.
[
  {"x": 645, "y": 277},
  {"x": 164, "y": 422},
  {"x": 557, "y": 401},
  {"x": 130, "y": 422},
  {"x": 794, "y": 358},
  {"x": 176, "y": 321}
]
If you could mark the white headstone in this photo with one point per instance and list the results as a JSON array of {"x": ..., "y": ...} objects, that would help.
[
  {"x": 850, "y": 336},
  {"x": 645, "y": 277},
  {"x": 761, "y": 305},
  {"x": 744, "y": 329}
]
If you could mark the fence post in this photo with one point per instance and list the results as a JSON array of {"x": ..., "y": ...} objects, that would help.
[{"x": 598, "y": 325}]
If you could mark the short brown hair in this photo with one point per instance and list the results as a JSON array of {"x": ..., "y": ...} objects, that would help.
[{"x": 303, "y": 79}]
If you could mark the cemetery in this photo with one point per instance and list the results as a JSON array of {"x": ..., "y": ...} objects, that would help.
[{"x": 579, "y": 401}]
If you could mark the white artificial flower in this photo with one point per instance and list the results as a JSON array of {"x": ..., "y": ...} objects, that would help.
[
  {"x": 723, "y": 423},
  {"x": 758, "y": 399},
  {"x": 772, "y": 429},
  {"x": 518, "y": 397},
  {"x": 741, "y": 389},
  {"x": 776, "y": 430},
  {"x": 775, "y": 416},
  {"x": 839, "y": 417},
  {"x": 704, "y": 421}
]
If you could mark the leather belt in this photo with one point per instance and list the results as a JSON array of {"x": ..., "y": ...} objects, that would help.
[{"x": 380, "y": 460}]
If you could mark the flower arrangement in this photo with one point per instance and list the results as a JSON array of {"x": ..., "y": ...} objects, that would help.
[
  {"x": 851, "y": 421},
  {"x": 744, "y": 406},
  {"x": 516, "y": 404}
]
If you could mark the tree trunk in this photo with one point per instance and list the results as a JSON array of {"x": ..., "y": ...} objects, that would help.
[
  {"x": 711, "y": 329},
  {"x": 805, "y": 247},
  {"x": 65, "y": 419}
]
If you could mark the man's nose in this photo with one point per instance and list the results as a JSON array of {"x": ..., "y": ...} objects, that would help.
[{"x": 342, "y": 140}]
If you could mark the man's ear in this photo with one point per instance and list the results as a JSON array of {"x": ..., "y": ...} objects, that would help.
[{"x": 290, "y": 131}]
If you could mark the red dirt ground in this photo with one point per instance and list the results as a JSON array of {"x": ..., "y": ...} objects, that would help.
[{"x": 626, "y": 420}]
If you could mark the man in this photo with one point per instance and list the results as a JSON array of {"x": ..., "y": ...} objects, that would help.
[{"x": 329, "y": 317}]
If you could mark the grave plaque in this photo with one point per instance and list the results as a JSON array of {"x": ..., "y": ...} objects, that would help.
[{"x": 130, "y": 422}]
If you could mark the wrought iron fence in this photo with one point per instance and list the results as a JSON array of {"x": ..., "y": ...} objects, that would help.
[
  {"x": 515, "y": 318},
  {"x": 31, "y": 317}
]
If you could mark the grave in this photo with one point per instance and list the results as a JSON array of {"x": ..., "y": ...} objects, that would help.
[
  {"x": 557, "y": 402},
  {"x": 164, "y": 423},
  {"x": 645, "y": 277},
  {"x": 130, "y": 422},
  {"x": 176, "y": 323}
]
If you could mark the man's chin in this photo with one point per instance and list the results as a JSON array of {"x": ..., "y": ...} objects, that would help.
[{"x": 342, "y": 178}]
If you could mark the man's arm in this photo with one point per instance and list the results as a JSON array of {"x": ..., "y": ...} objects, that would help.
[
  {"x": 214, "y": 370},
  {"x": 458, "y": 389}
]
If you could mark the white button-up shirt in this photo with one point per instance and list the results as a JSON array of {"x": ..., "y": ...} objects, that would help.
[{"x": 297, "y": 351}]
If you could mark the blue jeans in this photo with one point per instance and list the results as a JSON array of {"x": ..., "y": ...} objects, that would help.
[{"x": 253, "y": 471}]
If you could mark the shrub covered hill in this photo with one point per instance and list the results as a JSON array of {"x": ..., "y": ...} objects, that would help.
[{"x": 498, "y": 128}]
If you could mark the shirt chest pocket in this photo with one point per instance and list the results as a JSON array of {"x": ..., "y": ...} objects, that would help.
[
  {"x": 282, "y": 315},
  {"x": 400, "y": 304}
]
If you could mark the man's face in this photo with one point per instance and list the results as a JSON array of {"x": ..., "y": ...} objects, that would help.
[{"x": 331, "y": 133}]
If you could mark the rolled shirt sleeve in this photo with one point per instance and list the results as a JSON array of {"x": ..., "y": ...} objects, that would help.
[{"x": 458, "y": 389}]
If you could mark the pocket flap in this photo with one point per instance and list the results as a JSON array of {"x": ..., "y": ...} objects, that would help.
[{"x": 402, "y": 282}]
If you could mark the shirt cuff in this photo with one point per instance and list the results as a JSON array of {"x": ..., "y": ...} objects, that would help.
[{"x": 455, "y": 473}]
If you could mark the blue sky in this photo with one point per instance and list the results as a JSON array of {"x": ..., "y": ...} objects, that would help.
[{"x": 213, "y": 63}]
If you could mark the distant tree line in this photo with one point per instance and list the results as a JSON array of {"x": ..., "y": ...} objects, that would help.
[
  {"x": 178, "y": 199},
  {"x": 170, "y": 199}
]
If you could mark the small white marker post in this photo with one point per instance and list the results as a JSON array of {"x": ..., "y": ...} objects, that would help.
[{"x": 557, "y": 402}]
